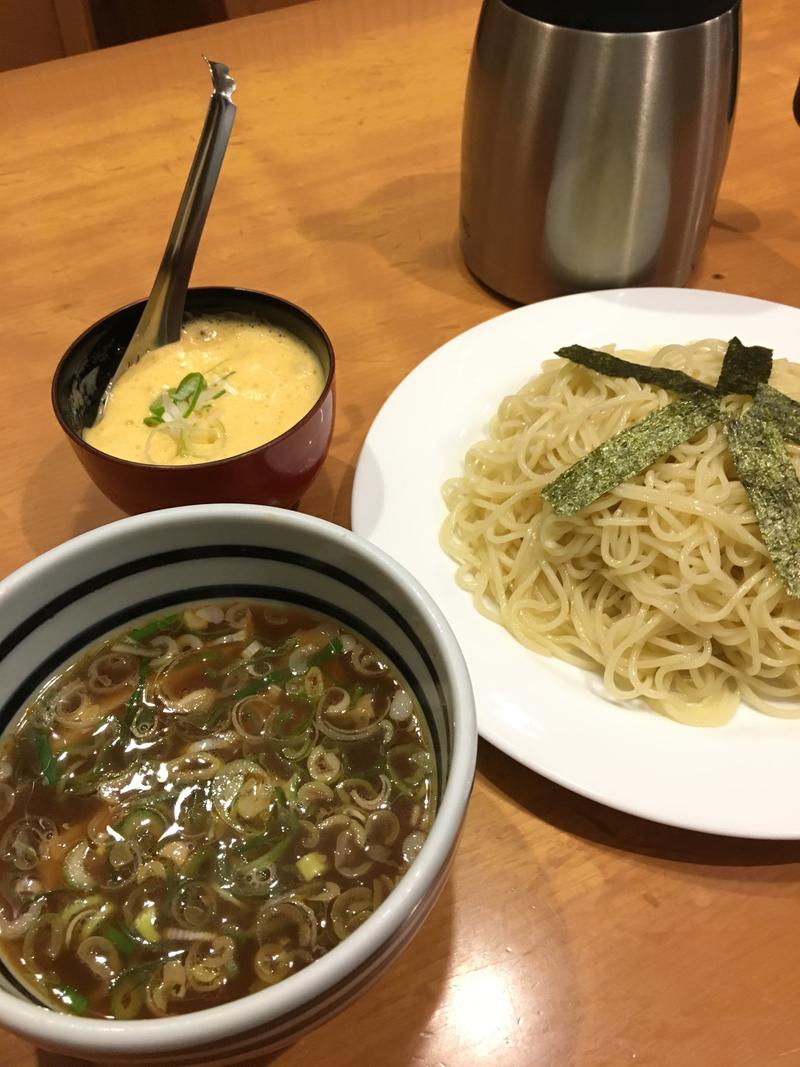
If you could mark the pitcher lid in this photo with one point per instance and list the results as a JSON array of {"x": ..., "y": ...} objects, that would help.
[{"x": 622, "y": 16}]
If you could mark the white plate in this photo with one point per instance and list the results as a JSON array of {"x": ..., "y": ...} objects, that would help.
[{"x": 741, "y": 779}]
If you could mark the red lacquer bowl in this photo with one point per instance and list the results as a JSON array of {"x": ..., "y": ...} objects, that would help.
[{"x": 277, "y": 472}]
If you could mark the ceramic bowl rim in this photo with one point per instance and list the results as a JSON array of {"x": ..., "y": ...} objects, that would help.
[
  {"x": 209, "y": 1025},
  {"x": 209, "y": 464}
]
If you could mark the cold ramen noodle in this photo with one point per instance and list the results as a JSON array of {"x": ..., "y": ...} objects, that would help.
[
  {"x": 201, "y": 807},
  {"x": 228, "y": 385},
  {"x": 660, "y": 548}
]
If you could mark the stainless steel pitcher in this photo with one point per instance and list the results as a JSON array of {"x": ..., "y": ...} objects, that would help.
[{"x": 593, "y": 150}]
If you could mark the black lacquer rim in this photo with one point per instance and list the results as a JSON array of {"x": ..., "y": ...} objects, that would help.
[{"x": 209, "y": 292}]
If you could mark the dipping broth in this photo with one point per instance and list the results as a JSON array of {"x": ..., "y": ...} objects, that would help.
[
  {"x": 202, "y": 806},
  {"x": 228, "y": 385}
]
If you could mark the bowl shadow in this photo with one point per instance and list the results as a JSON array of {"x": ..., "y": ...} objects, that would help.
[
  {"x": 412, "y": 222},
  {"x": 55, "y": 1059},
  {"x": 417, "y": 982},
  {"x": 761, "y": 271},
  {"x": 52, "y": 510},
  {"x": 591, "y": 821}
]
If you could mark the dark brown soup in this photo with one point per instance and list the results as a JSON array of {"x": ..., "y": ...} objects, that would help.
[{"x": 203, "y": 805}]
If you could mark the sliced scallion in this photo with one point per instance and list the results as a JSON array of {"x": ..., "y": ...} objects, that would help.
[
  {"x": 47, "y": 762},
  {"x": 333, "y": 648},
  {"x": 71, "y": 999},
  {"x": 155, "y": 627},
  {"x": 119, "y": 938},
  {"x": 273, "y": 678}
]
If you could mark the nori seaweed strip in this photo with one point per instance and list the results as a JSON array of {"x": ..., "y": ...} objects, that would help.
[
  {"x": 771, "y": 482},
  {"x": 614, "y": 367},
  {"x": 629, "y": 452},
  {"x": 782, "y": 410},
  {"x": 743, "y": 368}
]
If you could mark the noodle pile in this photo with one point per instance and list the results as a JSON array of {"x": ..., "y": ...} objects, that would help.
[{"x": 663, "y": 585}]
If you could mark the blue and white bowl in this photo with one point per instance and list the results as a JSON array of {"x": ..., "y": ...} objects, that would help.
[{"x": 63, "y": 601}]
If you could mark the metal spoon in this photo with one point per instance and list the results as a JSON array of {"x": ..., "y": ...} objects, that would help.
[{"x": 162, "y": 317}]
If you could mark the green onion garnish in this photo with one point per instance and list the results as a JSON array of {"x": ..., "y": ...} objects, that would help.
[
  {"x": 186, "y": 396},
  {"x": 333, "y": 648},
  {"x": 263, "y": 683},
  {"x": 153, "y": 628},
  {"x": 47, "y": 762},
  {"x": 189, "y": 388},
  {"x": 71, "y": 999},
  {"x": 120, "y": 939}
]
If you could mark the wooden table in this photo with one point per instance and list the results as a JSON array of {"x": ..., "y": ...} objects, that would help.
[{"x": 568, "y": 933}]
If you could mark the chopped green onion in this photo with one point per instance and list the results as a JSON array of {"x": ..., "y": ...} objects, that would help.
[
  {"x": 254, "y": 842},
  {"x": 144, "y": 825},
  {"x": 221, "y": 709},
  {"x": 74, "y": 868},
  {"x": 293, "y": 788},
  {"x": 153, "y": 628},
  {"x": 222, "y": 392},
  {"x": 133, "y": 706},
  {"x": 156, "y": 416},
  {"x": 188, "y": 393},
  {"x": 196, "y": 861},
  {"x": 119, "y": 938},
  {"x": 263, "y": 683},
  {"x": 271, "y": 855},
  {"x": 142, "y": 722},
  {"x": 127, "y": 993},
  {"x": 312, "y": 865},
  {"x": 145, "y": 923},
  {"x": 47, "y": 762},
  {"x": 333, "y": 648},
  {"x": 189, "y": 387},
  {"x": 71, "y": 999},
  {"x": 300, "y": 695},
  {"x": 193, "y": 399},
  {"x": 283, "y": 717},
  {"x": 374, "y": 769}
]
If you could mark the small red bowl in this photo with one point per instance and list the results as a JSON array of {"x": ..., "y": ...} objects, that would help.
[{"x": 277, "y": 472}]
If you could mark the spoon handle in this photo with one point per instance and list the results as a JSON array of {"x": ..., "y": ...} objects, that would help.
[{"x": 162, "y": 317}]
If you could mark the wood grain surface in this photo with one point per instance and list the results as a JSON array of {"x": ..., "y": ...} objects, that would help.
[{"x": 568, "y": 933}]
